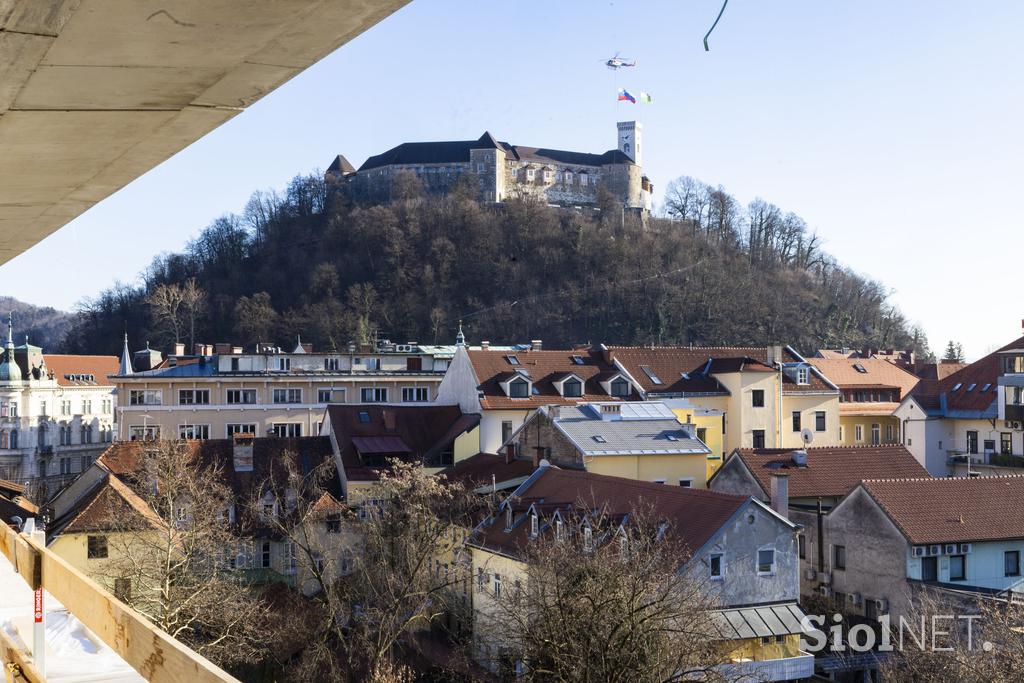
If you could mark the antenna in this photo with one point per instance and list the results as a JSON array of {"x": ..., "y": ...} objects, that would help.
[{"x": 807, "y": 435}]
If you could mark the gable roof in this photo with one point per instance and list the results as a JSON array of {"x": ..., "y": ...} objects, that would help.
[
  {"x": 100, "y": 367},
  {"x": 877, "y": 373},
  {"x": 543, "y": 368},
  {"x": 647, "y": 431},
  {"x": 341, "y": 165},
  {"x": 419, "y": 434},
  {"x": 953, "y": 509},
  {"x": 696, "y": 515},
  {"x": 93, "y": 511},
  {"x": 950, "y": 396},
  {"x": 684, "y": 370},
  {"x": 830, "y": 471},
  {"x": 476, "y": 471}
]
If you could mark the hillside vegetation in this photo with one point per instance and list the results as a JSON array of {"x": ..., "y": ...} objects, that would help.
[
  {"x": 44, "y": 326},
  {"x": 315, "y": 263}
]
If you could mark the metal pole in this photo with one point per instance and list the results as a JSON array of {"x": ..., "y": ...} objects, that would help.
[{"x": 39, "y": 614}]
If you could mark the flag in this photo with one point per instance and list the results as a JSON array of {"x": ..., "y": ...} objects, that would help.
[
  {"x": 624, "y": 96},
  {"x": 645, "y": 97}
]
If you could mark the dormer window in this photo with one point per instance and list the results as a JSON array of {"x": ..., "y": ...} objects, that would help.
[
  {"x": 588, "y": 539},
  {"x": 619, "y": 387},
  {"x": 534, "y": 525},
  {"x": 572, "y": 388},
  {"x": 519, "y": 388},
  {"x": 508, "y": 519},
  {"x": 559, "y": 529},
  {"x": 803, "y": 375},
  {"x": 512, "y": 360}
]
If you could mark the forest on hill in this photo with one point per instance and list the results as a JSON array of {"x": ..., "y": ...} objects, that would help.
[
  {"x": 313, "y": 261},
  {"x": 41, "y": 325}
]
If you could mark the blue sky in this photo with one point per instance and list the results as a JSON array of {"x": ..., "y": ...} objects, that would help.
[{"x": 894, "y": 129}]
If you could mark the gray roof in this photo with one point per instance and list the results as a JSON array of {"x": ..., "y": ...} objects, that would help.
[
  {"x": 640, "y": 428},
  {"x": 759, "y": 621}
]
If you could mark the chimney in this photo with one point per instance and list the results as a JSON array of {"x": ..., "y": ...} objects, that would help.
[
  {"x": 197, "y": 349},
  {"x": 241, "y": 452},
  {"x": 606, "y": 354},
  {"x": 485, "y": 345},
  {"x": 536, "y": 344},
  {"x": 510, "y": 453},
  {"x": 780, "y": 493},
  {"x": 538, "y": 455},
  {"x": 389, "y": 420},
  {"x": 554, "y": 412},
  {"x": 774, "y": 354},
  {"x": 179, "y": 349},
  {"x": 222, "y": 349}
]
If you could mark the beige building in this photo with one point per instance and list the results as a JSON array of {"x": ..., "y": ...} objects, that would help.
[{"x": 220, "y": 391}]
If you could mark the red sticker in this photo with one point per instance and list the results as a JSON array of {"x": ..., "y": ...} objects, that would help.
[{"x": 39, "y": 606}]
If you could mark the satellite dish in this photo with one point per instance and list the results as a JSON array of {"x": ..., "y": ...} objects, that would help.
[{"x": 807, "y": 435}]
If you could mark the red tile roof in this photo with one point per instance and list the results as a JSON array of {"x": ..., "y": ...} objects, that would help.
[
  {"x": 695, "y": 514},
  {"x": 929, "y": 393},
  {"x": 544, "y": 367},
  {"x": 476, "y": 470},
  {"x": 97, "y": 366},
  {"x": 953, "y": 509},
  {"x": 111, "y": 504},
  {"x": 880, "y": 374},
  {"x": 831, "y": 471}
]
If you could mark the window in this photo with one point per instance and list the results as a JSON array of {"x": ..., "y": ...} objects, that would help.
[
  {"x": 242, "y": 396},
  {"x": 240, "y": 428},
  {"x": 323, "y": 395},
  {"x": 972, "y": 443},
  {"x": 42, "y": 468},
  {"x": 512, "y": 360},
  {"x": 766, "y": 561},
  {"x": 415, "y": 394},
  {"x": 193, "y": 431},
  {"x": 649, "y": 372},
  {"x": 819, "y": 421},
  {"x": 989, "y": 446},
  {"x": 65, "y": 466},
  {"x": 234, "y": 365},
  {"x": 620, "y": 387},
  {"x": 265, "y": 555},
  {"x": 686, "y": 483},
  {"x": 584, "y": 178},
  {"x": 796, "y": 420},
  {"x": 802, "y": 375},
  {"x": 289, "y": 557},
  {"x": 929, "y": 569},
  {"x": 65, "y": 407},
  {"x": 858, "y": 433},
  {"x": 1006, "y": 443},
  {"x": 145, "y": 397},
  {"x": 96, "y": 547},
  {"x": 534, "y": 524},
  {"x": 42, "y": 408},
  {"x": 1011, "y": 563},
  {"x": 86, "y": 462},
  {"x": 839, "y": 557},
  {"x": 757, "y": 398},
  {"x": 530, "y": 173},
  {"x": 331, "y": 364},
  {"x": 876, "y": 434},
  {"x": 957, "y": 567},
  {"x": 334, "y": 525},
  {"x": 364, "y": 417},
  {"x": 144, "y": 432},
  {"x": 572, "y": 388},
  {"x": 506, "y": 430},
  {"x": 702, "y": 434},
  {"x": 548, "y": 176},
  {"x": 497, "y": 586},
  {"x": 588, "y": 538},
  {"x": 659, "y": 481},
  {"x": 287, "y": 430},
  {"x": 284, "y": 364},
  {"x": 194, "y": 397},
  {"x": 287, "y": 396},
  {"x": 568, "y": 177},
  {"x": 519, "y": 388},
  {"x": 715, "y": 564},
  {"x": 374, "y": 395},
  {"x": 890, "y": 434},
  {"x": 559, "y": 529},
  {"x": 801, "y": 544},
  {"x": 758, "y": 438}
]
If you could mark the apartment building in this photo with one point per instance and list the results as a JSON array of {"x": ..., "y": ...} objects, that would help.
[
  {"x": 753, "y": 397},
  {"x": 221, "y": 390}
]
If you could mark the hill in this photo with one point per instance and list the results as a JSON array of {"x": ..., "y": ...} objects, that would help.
[
  {"x": 314, "y": 262},
  {"x": 44, "y": 326}
]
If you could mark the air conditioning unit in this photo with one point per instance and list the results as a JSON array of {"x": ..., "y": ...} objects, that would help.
[
  {"x": 951, "y": 548},
  {"x": 810, "y": 574},
  {"x": 825, "y": 578},
  {"x": 854, "y": 598},
  {"x": 826, "y": 592},
  {"x": 1016, "y": 425},
  {"x": 965, "y": 548},
  {"x": 920, "y": 551},
  {"x": 935, "y": 550},
  {"x": 881, "y": 605}
]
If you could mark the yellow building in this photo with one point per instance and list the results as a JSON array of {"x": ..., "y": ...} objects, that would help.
[
  {"x": 634, "y": 440},
  {"x": 762, "y": 397},
  {"x": 871, "y": 390},
  {"x": 555, "y": 503}
]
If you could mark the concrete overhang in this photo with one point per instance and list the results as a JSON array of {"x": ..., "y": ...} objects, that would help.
[{"x": 94, "y": 93}]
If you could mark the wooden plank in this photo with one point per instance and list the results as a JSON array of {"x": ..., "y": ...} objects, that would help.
[
  {"x": 150, "y": 651},
  {"x": 22, "y": 555},
  {"x": 11, "y": 655}
]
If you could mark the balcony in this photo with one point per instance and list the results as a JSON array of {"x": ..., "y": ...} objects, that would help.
[
  {"x": 785, "y": 669},
  {"x": 1014, "y": 412}
]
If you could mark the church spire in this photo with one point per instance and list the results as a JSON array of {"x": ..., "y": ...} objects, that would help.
[
  {"x": 9, "y": 370},
  {"x": 126, "y": 360},
  {"x": 460, "y": 338}
]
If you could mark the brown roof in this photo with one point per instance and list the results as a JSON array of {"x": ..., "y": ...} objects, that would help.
[
  {"x": 93, "y": 512},
  {"x": 831, "y": 471},
  {"x": 953, "y": 389},
  {"x": 97, "y": 366},
  {"x": 419, "y": 434},
  {"x": 543, "y": 367},
  {"x": 953, "y": 509},
  {"x": 670, "y": 363},
  {"x": 878, "y": 374},
  {"x": 695, "y": 514},
  {"x": 476, "y": 470}
]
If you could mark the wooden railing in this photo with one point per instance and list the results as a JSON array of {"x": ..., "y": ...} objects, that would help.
[{"x": 154, "y": 654}]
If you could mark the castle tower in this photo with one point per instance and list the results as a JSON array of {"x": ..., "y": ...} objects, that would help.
[{"x": 630, "y": 134}]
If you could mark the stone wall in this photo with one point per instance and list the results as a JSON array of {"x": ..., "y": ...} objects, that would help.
[{"x": 539, "y": 430}]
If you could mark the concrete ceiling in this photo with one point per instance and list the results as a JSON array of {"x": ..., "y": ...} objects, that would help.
[{"x": 94, "y": 93}]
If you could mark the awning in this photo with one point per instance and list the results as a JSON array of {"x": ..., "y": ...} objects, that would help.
[
  {"x": 380, "y": 445},
  {"x": 759, "y": 622}
]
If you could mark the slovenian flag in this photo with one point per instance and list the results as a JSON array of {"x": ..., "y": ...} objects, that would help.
[
  {"x": 624, "y": 96},
  {"x": 645, "y": 97}
]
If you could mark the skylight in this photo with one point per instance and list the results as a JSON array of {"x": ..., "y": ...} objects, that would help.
[
  {"x": 686, "y": 375},
  {"x": 512, "y": 360},
  {"x": 859, "y": 368},
  {"x": 957, "y": 387},
  {"x": 577, "y": 360},
  {"x": 970, "y": 387},
  {"x": 650, "y": 373},
  {"x": 364, "y": 417},
  {"x": 985, "y": 388},
  {"x": 600, "y": 439},
  {"x": 672, "y": 437}
]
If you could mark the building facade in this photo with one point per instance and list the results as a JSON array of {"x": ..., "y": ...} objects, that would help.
[{"x": 499, "y": 170}]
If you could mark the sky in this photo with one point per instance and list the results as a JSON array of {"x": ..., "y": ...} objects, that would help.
[{"x": 893, "y": 128}]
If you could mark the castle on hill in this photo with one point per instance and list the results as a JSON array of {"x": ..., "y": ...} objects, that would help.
[{"x": 501, "y": 170}]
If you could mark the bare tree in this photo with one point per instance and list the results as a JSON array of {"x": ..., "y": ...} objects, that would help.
[
  {"x": 165, "y": 307},
  {"x": 611, "y": 604},
  {"x": 172, "y": 551},
  {"x": 193, "y": 301}
]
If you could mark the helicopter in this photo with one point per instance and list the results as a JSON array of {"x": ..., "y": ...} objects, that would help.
[{"x": 616, "y": 62}]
